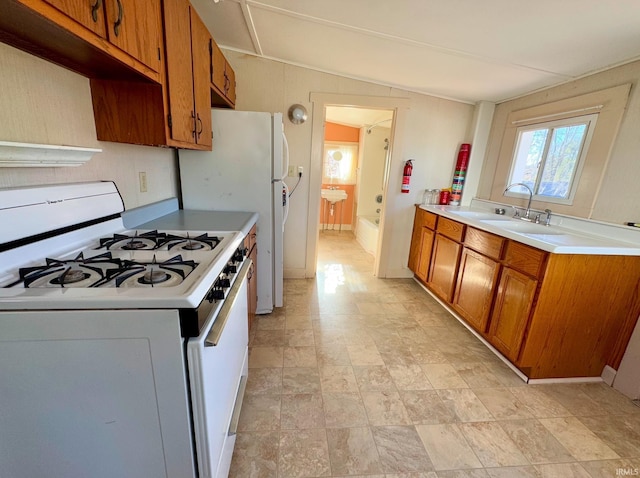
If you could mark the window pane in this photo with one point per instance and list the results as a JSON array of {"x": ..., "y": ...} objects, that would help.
[
  {"x": 339, "y": 164},
  {"x": 562, "y": 159},
  {"x": 528, "y": 156}
]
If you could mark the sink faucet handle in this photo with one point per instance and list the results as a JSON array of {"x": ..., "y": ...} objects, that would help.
[
  {"x": 516, "y": 212},
  {"x": 547, "y": 220}
]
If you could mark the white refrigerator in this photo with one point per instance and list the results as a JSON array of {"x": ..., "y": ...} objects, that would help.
[{"x": 245, "y": 171}]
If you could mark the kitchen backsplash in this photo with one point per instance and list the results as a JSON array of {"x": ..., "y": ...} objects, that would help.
[{"x": 44, "y": 103}]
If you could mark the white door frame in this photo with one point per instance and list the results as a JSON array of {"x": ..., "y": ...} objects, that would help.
[{"x": 320, "y": 101}]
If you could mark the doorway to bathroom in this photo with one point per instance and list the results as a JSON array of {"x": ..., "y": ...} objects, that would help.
[
  {"x": 390, "y": 206},
  {"x": 355, "y": 164}
]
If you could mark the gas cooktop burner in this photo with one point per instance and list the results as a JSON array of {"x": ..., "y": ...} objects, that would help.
[
  {"x": 105, "y": 271},
  {"x": 150, "y": 274},
  {"x": 78, "y": 272},
  {"x": 145, "y": 241},
  {"x": 154, "y": 240},
  {"x": 204, "y": 242}
]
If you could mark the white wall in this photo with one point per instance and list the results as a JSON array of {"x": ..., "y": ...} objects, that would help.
[
  {"x": 433, "y": 131},
  {"x": 43, "y": 103},
  {"x": 618, "y": 199}
]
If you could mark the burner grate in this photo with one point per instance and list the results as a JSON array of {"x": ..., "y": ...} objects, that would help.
[
  {"x": 62, "y": 273},
  {"x": 155, "y": 240},
  {"x": 153, "y": 273}
]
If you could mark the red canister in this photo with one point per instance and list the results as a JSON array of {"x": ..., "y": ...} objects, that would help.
[{"x": 445, "y": 194}]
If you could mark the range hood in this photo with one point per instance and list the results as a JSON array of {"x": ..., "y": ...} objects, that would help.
[{"x": 29, "y": 155}]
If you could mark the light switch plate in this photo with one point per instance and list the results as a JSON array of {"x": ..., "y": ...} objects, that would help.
[{"x": 292, "y": 171}]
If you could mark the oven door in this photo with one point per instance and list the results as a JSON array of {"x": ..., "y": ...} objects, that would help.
[{"x": 217, "y": 361}]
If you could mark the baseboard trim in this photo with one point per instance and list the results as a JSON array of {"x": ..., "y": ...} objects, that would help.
[
  {"x": 608, "y": 375},
  {"x": 515, "y": 369},
  {"x": 294, "y": 273}
]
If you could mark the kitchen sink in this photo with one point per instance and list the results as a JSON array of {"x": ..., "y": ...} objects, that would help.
[
  {"x": 333, "y": 195},
  {"x": 523, "y": 227},
  {"x": 480, "y": 215}
]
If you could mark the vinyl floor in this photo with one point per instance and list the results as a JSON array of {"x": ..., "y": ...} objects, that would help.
[{"x": 358, "y": 376}]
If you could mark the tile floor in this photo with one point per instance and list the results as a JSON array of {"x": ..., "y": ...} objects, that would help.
[{"x": 358, "y": 376}]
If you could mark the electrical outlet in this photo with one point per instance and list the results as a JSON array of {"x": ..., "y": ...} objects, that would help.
[
  {"x": 300, "y": 169},
  {"x": 142, "y": 176},
  {"x": 292, "y": 171}
]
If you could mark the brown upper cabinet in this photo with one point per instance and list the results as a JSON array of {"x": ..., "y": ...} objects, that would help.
[
  {"x": 188, "y": 43},
  {"x": 151, "y": 63},
  {"x": 134, "y": 27},
  {"x": 223, "y": 79},
  {"x": 115, "y": 39}
]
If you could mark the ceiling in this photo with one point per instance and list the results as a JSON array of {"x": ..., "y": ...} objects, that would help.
[
  {"x": 358, "y": 117},
  {"x": 466, "y": 50}
]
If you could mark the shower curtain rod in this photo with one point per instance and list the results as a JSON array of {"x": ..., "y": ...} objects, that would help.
[{"x": 376, "y": 124}]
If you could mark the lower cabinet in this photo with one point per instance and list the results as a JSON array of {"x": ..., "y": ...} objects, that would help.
[
  {"x": 551, "y": 315},
  {"x": 252, "y": 286},
  {"x": 426, "y": 246},
  {"x": 444, "y": 266},
  {"x": 424, "y": 224},
  {"x": 511, "y": 312},
  {"x": 477, "y": 278}
]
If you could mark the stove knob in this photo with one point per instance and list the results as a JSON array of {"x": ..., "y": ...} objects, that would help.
[
  {"x": 215, "y": 294},
  {"x": 230, "y": 269},
  {"x": 223, "y": 283},
  {"x": 239, "y": 255}
]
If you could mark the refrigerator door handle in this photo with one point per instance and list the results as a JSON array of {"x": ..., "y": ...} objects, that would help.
[
  {"x": 286, "y": 156},
  {"x": 285, "y": 203}
]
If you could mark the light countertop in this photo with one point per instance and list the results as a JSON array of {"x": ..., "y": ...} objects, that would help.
[
  {"x": 166, "y": 215},
  {"x": 572, "y": 237}
]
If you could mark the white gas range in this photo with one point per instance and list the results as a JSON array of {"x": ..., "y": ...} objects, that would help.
[{"x": 122, "y": 352}]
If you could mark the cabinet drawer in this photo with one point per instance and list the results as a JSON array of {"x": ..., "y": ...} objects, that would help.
[
  {"x": 452, "y": 229},
  {"x": 426, "y": 219},
  {"x": 525, "y": 259},
  {"x": 484, "y": 242}
]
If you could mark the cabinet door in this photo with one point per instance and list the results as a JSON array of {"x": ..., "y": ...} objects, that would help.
[
  {"x": 426, "y": 247},
  {"x": 477, "y": 278},
  {"x": 414, "y": 248},
  {"x": 89, "y": 13},
  {"x": 253, "y": 285},
  {"x": 514, "y": 301},
  {"x": 134, "y": 27},
  {"x": 444, "y": 266},
  {"x": 177, "y": 20},
  {"x": 230, "y": 77},
  {"x": 200, "y": 49},
  {"x": 219, "y": 62}
]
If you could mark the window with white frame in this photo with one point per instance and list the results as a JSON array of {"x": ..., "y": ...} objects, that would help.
[
  {"x": 548, "y": 157},
  {"x": 339, "y": 163}
]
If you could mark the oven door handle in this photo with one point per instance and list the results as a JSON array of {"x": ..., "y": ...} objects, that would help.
[{"x": 213, "y": 337}]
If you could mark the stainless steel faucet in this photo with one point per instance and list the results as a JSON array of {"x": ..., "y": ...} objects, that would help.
[{"x": 527, "y": 213}]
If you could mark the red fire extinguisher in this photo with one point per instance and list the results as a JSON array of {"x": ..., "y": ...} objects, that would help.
[{"x": 406, "y": 176}]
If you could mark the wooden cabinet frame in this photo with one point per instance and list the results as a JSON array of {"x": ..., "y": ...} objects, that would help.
[{"x": 551, "y": 315}]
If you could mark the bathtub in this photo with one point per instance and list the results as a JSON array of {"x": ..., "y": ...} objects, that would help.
[{"x": 367, "y": 233}]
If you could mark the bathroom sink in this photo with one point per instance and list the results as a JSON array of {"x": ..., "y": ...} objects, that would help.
[
  {"x": 333, "y": 195},
  {"x": 523, "y": 227}
]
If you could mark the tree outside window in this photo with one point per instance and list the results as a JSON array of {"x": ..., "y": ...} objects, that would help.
[{"x": 548, "y": 156}]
